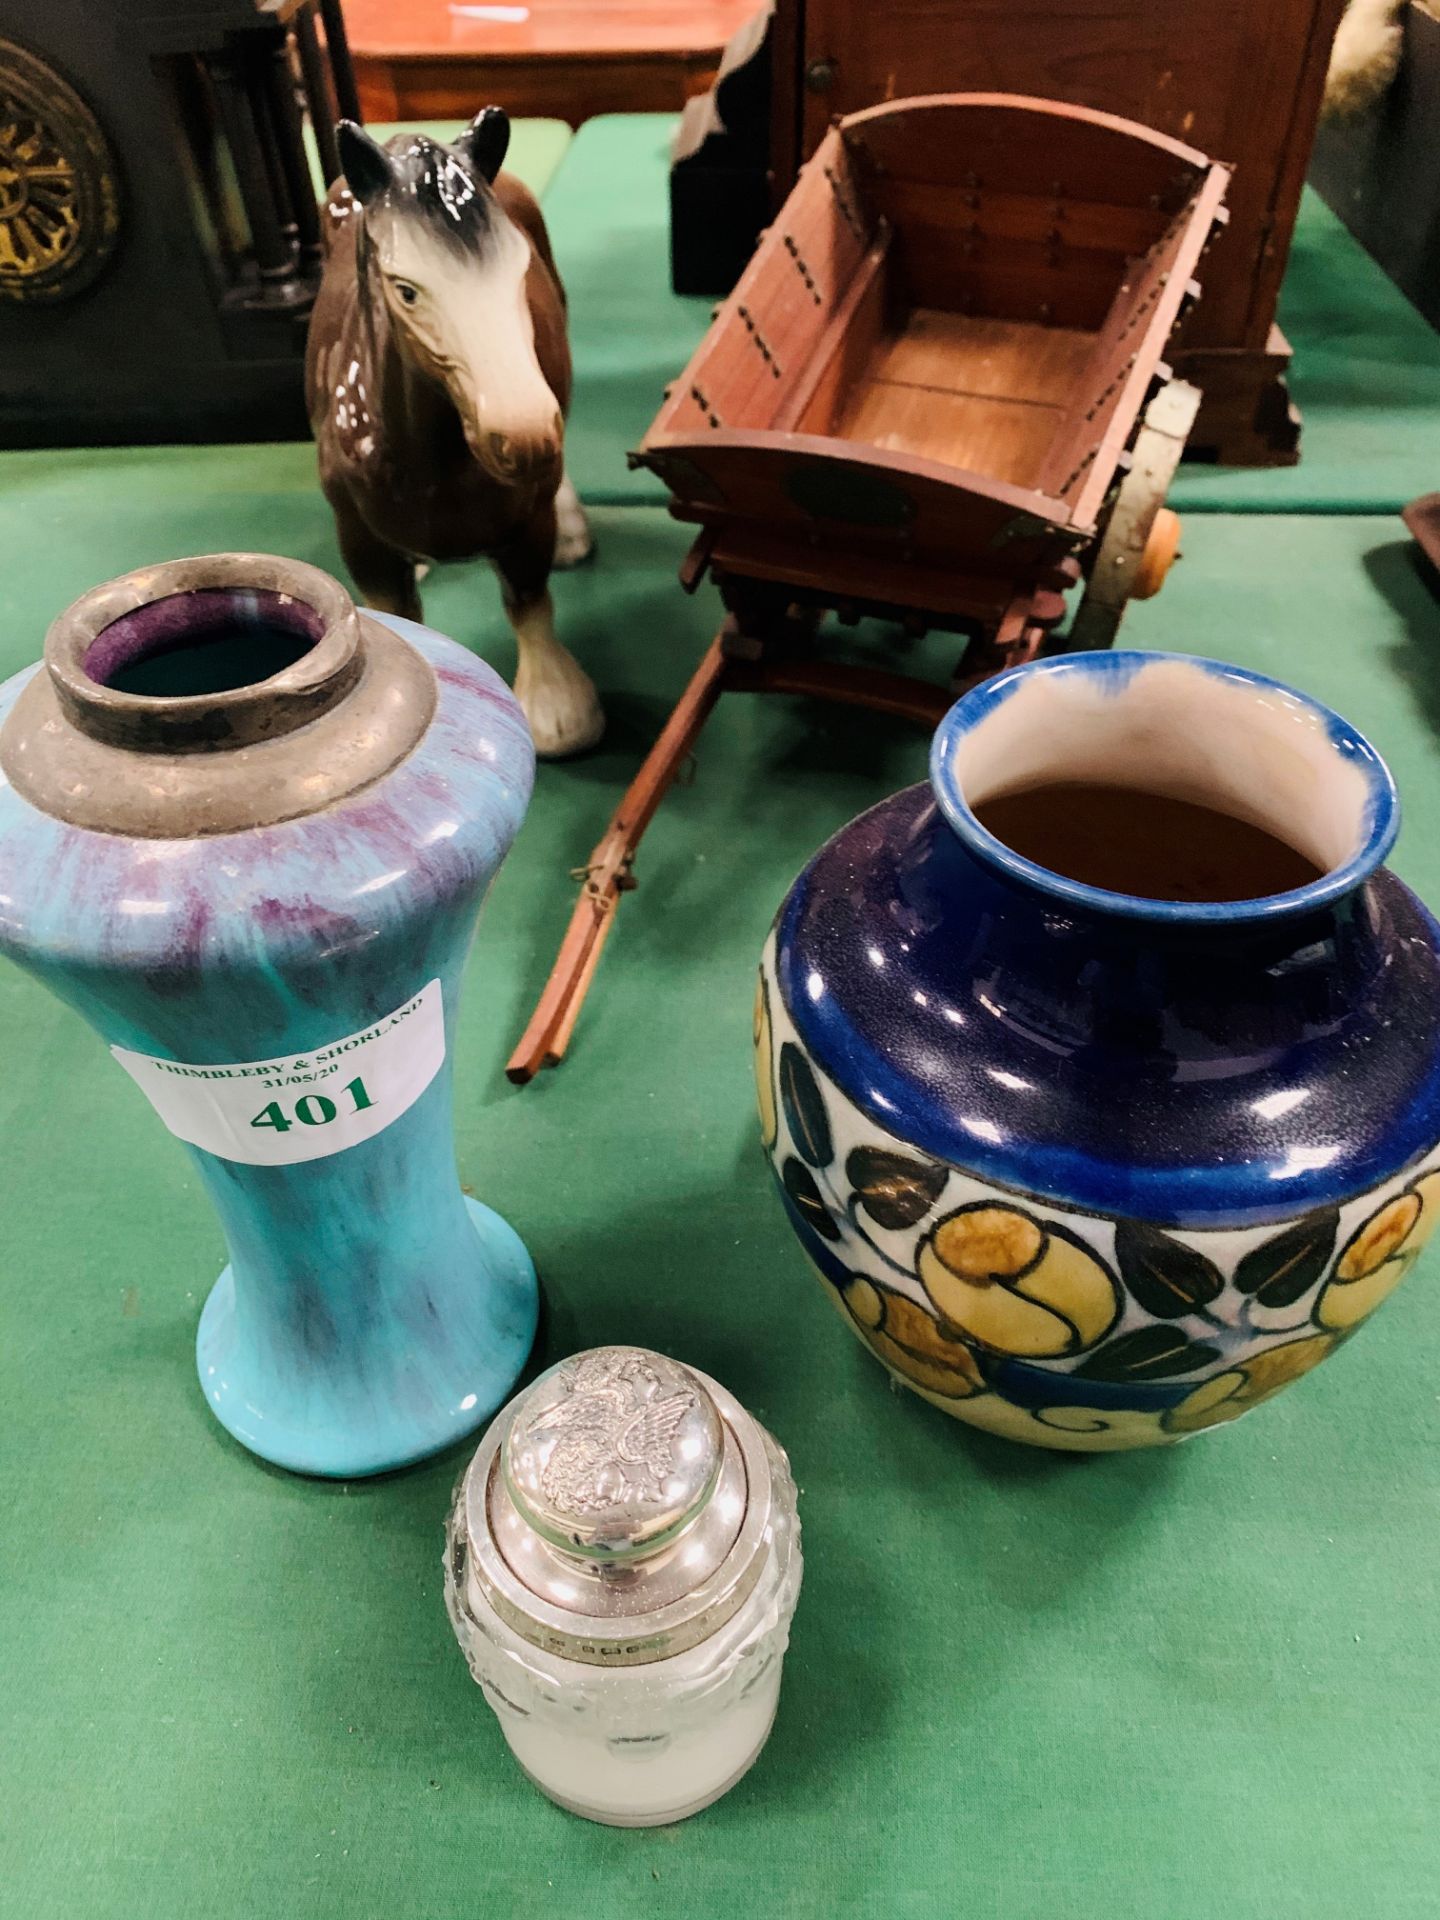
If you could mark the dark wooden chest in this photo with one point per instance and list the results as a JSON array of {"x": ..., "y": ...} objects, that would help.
[{"x": 1237, "y": 79}]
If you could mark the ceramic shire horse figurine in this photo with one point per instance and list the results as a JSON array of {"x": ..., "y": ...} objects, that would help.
[{"x": 437, "y": 378}]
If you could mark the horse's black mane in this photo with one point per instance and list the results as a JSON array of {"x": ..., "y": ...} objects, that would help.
[{"x": 441, "y": 187}]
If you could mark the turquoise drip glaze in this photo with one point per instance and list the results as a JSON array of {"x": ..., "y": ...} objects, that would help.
[{"x": 370, "y": 1314}]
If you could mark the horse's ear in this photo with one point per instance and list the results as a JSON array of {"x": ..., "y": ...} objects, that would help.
[
  {"x": 365, "y": 165},
  {"x": 485, "y": 141}
]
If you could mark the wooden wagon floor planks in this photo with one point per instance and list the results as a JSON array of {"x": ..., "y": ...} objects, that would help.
[{"x": 975, "y": 392}]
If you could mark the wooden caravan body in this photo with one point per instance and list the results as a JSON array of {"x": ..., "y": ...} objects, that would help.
[
  {"x": 920, "y": 396},
  {"x": 937, "y": 394}
]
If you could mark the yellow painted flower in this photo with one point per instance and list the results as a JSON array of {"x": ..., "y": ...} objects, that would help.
[
  {"x": 911, "y": 1342},
  {"x": 994, "y": 1414},
  {"x": 1379, "y": 1254},
  {"x": 1008, "y": 1282},
  {"x": 1064, "y": 1429},
  {"x": 764, "y": 1065},
  {"x": 1102, "y": 1429},
  {"x": 1225, "y": 1396}
]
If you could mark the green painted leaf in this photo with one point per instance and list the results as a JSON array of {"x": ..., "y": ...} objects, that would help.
[
  {"x": 1166, "y": 1277},
  {"x": 1147, "y": 1353},
  {"x": 895, "y": 1189},
  {"x": 1279, "y": 1271},
  {"x": 804, "y": 1106},
  {"x": 799, "y": 1183}
]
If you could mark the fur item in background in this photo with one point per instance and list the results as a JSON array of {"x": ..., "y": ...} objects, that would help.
[{"x": 1365, "y": 57}]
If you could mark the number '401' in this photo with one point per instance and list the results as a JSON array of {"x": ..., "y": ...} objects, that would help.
[{"x": 311, "y": 1109}]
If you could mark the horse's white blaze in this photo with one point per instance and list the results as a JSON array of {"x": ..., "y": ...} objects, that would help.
[{"x": 473, "y": 319}]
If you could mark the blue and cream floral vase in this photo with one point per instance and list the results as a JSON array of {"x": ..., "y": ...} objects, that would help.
[
  {"x": 1094, "y": 1169},
  {"x": 245, "y": 831}
]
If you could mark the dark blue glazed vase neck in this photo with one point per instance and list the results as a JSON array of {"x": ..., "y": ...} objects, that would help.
[
  {"x": 1191, "y": 1062},
  {"x": 1173, "y": 726}
]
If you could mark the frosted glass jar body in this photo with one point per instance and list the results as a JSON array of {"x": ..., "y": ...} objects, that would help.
[{"x": 646, "y": 1744}]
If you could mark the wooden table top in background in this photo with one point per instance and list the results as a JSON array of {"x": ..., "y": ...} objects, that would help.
[{"x": 568, "y": 59}]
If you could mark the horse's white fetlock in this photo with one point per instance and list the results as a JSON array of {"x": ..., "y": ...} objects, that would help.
[
  {"x": 557, "y": 695},
  {"x": 574, "y": 541}
]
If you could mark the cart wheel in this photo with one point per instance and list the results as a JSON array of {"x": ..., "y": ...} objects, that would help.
[
  {"x": 1141, "y": 537},
  {"x": 1162, "y": 550}
]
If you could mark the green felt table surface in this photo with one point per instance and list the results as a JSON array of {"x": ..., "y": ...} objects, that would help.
[{"x": 1183, "y": 1683}]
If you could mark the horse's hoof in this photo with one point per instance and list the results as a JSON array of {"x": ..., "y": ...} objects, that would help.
[
  {"x": 573, "y": 550},
  {"x": 563, "y": 711},
  {"x": 567, "y": 749}
]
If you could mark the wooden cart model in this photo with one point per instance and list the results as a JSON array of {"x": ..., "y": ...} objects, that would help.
[{"x": 938, "y": 396}]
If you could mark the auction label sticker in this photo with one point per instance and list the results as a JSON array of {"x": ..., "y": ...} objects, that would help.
[{"x": 304, "y": 1106}]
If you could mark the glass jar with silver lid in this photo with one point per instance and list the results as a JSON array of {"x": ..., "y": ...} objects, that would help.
[{"x": 623, "y": 1559}]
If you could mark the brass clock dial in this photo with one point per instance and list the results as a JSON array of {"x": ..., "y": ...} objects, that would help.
[{"x": 59, "y": 186}]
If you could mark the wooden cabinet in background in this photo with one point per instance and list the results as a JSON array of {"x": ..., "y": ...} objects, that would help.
[{"x": 1240, "y": 79}]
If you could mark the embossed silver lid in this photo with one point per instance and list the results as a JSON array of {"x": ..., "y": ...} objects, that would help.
[
  {"x": 613, "y": 1453},
  {"x": 617, "y": 1511}
]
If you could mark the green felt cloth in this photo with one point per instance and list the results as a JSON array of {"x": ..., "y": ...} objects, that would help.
[
  {"x": 1184, "y": 1684},
  {"x": 536, "y": 146},
  {"x": 1366, "y": 372}
]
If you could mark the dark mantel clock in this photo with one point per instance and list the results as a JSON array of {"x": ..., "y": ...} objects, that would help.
[{"x": 159, "y": 232}]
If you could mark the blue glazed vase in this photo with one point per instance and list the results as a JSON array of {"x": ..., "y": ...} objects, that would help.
[
  {"x": 245, "y": 832},
  {"x": 1089, "y": 1169}
]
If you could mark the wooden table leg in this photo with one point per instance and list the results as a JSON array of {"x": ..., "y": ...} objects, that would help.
[{"x": 608, "y": 874}]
